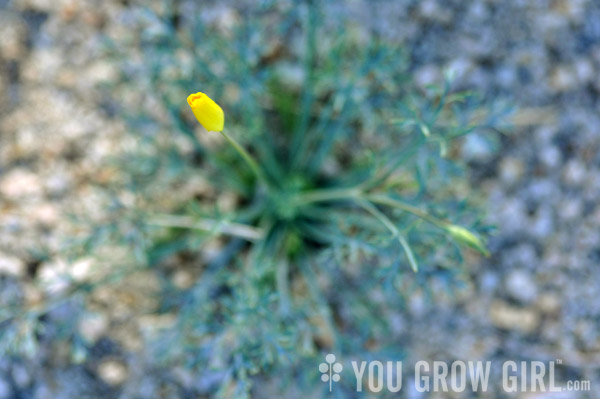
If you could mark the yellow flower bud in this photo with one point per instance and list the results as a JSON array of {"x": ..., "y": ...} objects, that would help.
[
  {"x": 464, "y": 236},
  {"x": 208, "y": 112}
]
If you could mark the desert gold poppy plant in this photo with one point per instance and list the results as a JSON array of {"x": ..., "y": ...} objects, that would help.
[
  {"x": 333, "y": 198},
  {"x": 211, "y": 116}
]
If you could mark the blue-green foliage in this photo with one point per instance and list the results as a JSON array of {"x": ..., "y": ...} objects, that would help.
[{"x": 362, "y": 186}]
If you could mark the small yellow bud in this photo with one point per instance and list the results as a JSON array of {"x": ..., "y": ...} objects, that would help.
[
  {"x": 208, "y": 112},
  {"x": 464, "y": 236}
]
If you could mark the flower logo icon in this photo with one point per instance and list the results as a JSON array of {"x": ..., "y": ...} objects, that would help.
[{"x": 330, "y": 370}]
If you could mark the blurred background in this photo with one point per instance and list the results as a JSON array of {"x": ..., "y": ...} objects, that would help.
[{"x": 535, "y": 298}]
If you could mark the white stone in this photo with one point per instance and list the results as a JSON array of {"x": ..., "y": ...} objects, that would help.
[
  {"x": 113, "y": 372},
  {"x": 20, "y": 183},
  {"x": 12, "y": 266},
  {"x": 92, "y": 327}
]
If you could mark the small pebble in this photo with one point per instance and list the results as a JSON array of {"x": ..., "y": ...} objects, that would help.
[
  {"x": 5, "y": 389},
  {"x": 550, "y": 157},
  {"x": 112, "y": 372},
  {"x": 507, "y": 317},
  {"x": 570, "y": 209},
  {"x": 563, "y": 79},
  {"x": 511, "y": 170},
  {"x": 21, "y": 376},
  {"x": 11, "y": 266},
  {"x": 521, "y": 286},
  {"x": 574, "y": 173}
]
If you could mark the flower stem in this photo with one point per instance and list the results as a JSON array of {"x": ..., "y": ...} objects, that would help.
[
  {"x": 366, "y": 205},
  {"x": 258, "y": 172},
  {"x": 387, "y": 201},
  {"x": 324, "y": 195},
  {"x": 356, "y": 193}
]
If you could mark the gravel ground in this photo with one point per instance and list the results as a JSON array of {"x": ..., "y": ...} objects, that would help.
[{"x": 536, "y": 298}]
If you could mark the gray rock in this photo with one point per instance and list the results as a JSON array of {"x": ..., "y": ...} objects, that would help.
[
  {"x": 574, "y": 173},
  {"x": 521, "y": 286},
  {"x": 570, "y": 209},
  {"x": 542, "y": 225},
  {"x": 550, "y": 157},
  {"x": 511, "y": 170},
  {"x": 6, "y": 391},
  {"x": 21, "y": 376},
  {"x": 477, "y": 148}
]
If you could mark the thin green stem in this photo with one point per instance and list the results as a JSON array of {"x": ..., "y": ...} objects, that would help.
[
  {"x": 246, "y": 232},
  {"x": 366, "y": 205},
  {"x": 325, "y": 195},
  {"x": 385, "y": 200},
  {"x": 356, "y": 193},
  {"x": 299, "y": 141},
  {"x": 258, "y": 172}
]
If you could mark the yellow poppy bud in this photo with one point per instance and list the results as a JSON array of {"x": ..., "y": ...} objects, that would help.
[
  {"x": 464, "y": 236},
  {"x": 208, "y": 112}
]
